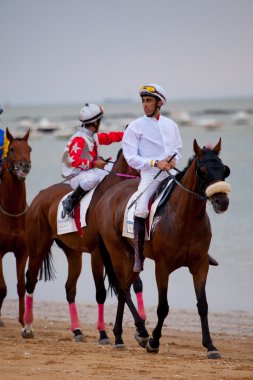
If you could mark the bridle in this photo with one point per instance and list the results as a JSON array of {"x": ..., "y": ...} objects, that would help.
[
  {"x": 198, "y": 196},
  {"x": 14, "y": 215},
  {"x": 12, "y": 167},
  {"x": 202, "y": 181}
]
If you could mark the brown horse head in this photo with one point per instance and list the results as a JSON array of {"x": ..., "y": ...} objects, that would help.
[
  {"x": 18, "y": 160},
  {"x": 212, "y": 173}
]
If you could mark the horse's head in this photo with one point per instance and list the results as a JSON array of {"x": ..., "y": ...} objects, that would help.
[
  {"x": 18, "y": 156},
  {"x": 212, "y": 173}
]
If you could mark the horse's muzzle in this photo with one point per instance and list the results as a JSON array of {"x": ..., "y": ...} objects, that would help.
[
  {"x": 220, "y": 202},
  {"x": 22, "y": 169}
]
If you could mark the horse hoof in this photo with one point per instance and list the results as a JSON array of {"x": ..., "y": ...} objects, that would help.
[
  {"x": 141, "y": 340},
  {"x": 151, "y": 349},
  {"x": 213, "y": 354},
  {"x": 27, "y": 334},
  {"x": 2, "y": 324},
  {"x": 104, "y": 341},
  {"x": 80, "y": 338},
  {"x": 119, "y": 346}
]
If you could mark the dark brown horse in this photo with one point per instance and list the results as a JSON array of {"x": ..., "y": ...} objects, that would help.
[
  {"x": 13, "y": 207},
  {"x": 42, "y": 232},
  {"x": 181, "y": 237}
]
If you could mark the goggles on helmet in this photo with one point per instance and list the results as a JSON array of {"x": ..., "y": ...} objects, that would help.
[{"x": 150, "y": 89}]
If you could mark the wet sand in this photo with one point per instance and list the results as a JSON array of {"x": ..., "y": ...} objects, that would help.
[{"x": 53, "y": 354}]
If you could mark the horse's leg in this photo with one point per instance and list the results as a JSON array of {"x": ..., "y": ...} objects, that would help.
[
  {"x": 138, "y": 288},
  {"x": 74, "y": 269},
  {"x": 199, "y": 279},
  {"x": 162, "y": 277},
  {"x": 117, "y": 329},
  {"x": 21, "y": 258},
  {"x": 41, "y": 249},
  {"x": 141, "y": 333},
  {"x": 3, "y": 289},
  {"x": 98, "y": 275}
]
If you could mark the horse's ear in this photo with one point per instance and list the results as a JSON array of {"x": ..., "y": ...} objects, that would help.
[
  {"x": 197, "y": 148},
  {"x": 9, "y": 135},
  {"x": 26, "y": 136},
  {"x": 217, "y": 147}
]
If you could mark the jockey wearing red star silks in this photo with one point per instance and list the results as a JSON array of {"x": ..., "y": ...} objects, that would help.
[{"x": 81, "y": 162}]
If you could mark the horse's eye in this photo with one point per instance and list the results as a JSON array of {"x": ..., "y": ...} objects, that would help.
[
  {"x": 30, "y": 149},
  {"x": 11, "y": 150},
  {"x": 202, "y": 171}
]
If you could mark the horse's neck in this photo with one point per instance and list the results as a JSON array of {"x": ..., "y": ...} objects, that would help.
[
  {"x": 182, "y": 201},
  {"x": 120, "y": 167},
  {"x": 12, "y": 192}
]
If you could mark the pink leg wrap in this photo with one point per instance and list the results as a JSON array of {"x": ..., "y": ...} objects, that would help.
[
  {"x": 141, "y": 309},
  {"x": 28, "y": 314},
  {"x": 101, "y": 322},
  {"x": 73, "y": 317}
]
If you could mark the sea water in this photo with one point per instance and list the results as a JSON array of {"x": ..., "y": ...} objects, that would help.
[{"x": 229, "y": 286}]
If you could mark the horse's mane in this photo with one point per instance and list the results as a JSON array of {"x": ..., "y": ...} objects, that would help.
[{"x": 119, "y": 153}]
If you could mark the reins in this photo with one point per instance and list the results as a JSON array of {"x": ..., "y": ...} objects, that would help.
[{"x": 200, "y": 197}]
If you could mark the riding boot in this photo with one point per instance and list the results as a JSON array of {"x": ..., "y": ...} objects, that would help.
[
  {"x": 71, "y": 201},
  {"x": 139, "y": 237}
]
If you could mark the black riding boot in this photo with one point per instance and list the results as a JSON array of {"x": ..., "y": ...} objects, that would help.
[
  {"x": 139, "y": 237},
  {"x": 71, "y": 201}
]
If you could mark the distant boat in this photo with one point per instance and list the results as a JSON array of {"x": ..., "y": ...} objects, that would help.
[
  {"x": 183, "y": 118},
  {"x": 27, "y": 124},
  {"x": 241, "y": 118},
  {"x": 211, "y": 124},
  {"x": 65, "y": 133},
  {"x": 34, "y": 134},
  {"x": 44, "y": 125}
]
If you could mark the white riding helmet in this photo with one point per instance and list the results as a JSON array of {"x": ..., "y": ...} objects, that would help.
[
  {"x": 153, "y": 90},
  {"x": 90, "y": 113}
]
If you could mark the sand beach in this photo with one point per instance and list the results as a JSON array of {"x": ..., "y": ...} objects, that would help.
[{"x": 53, "y": 355}]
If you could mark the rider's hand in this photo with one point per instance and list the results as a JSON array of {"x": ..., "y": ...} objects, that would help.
[
  {"x": 165, "y": 165},
  {"x": 99, "y": 163}
]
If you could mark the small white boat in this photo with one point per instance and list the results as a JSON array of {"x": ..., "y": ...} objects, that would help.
[
  {"x": 182, "y": 118},
  {"x": 65, "y": 133},
  {"x": 211, "y": 124},
  {"x": 241, "y": 118},
  {"x": 44, "y": 125},
  {"x": 26, "y": 124}
]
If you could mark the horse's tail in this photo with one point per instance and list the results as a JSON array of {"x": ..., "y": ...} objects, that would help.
[
  {"x": 47, "y": 270},
  {"x": 109, "y": 271}
]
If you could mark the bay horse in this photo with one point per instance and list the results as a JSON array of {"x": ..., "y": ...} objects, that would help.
[
  {"x": 13, "y": 208},
  {"x": 41, "y": 229},
  {"x": 181, "y": 237}
]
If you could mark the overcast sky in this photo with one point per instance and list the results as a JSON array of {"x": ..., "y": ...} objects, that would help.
[{"x": 55, "y": 51}]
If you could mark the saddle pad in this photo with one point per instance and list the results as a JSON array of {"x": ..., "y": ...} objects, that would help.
[
  {"x": 128, "y": 223},
  {"x": 66, "y": 224}
]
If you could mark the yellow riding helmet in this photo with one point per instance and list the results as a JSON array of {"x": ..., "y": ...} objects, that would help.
[{"x": 153, "y": 90}]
